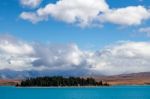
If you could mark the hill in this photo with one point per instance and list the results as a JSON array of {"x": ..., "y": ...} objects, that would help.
[{"x": 126, "y": 79}]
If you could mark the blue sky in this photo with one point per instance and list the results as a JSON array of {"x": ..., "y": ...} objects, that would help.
[
  {"x": 56, "y": 31},
  {"x": 74, "y": 37}
]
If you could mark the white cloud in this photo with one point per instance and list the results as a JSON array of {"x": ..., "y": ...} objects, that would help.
[
  {"x": 73, "y": 11},
  {"x": 33, "y": 17},
  {"x": 89, "y": 13},
  {"x": 58, "y": 56},
  {"x": 124, "y": 57},
  {"x": 145, "y": 30},
  {"x": 12, "y": 46},
  {"x": 132, "y": 15},
  {"x": 30, "y": 3},
  {"x": 15, "y": 54}
]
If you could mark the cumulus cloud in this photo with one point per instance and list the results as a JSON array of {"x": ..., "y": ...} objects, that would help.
[
  {"x": 58, "y": 56},
  {"x": 124, "y": 57},
  {"x": 12, "y": 46},
  {"x": 132, "y": 15},
  {"x": 88, "y": 13},
  {"x": 15, "y": 54},
  {"x": 70, "y": 11},
  {"x": 119, "y": 58},
  {"x": 30, "y": 3}
]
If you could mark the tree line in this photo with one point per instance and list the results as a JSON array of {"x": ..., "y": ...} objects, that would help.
[{"x": 61, "y": 81}]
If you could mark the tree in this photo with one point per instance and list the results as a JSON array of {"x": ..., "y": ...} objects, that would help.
[{"x": 61, "y": 81}]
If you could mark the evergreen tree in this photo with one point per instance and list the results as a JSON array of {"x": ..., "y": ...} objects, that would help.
[{"x": 61, "y": 81}]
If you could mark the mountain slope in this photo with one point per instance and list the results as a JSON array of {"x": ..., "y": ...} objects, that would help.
[{"x": 127, "y": 79}]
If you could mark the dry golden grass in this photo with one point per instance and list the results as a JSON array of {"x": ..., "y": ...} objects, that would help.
[
  {"x": 9, "y": 82},
  {"x": 128, "y": 79}
]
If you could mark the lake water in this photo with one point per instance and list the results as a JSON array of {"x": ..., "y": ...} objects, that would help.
[{"x": 113, "y": 92}]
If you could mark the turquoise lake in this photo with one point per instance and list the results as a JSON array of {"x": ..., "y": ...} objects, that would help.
[{"x": 113, "y": 92}]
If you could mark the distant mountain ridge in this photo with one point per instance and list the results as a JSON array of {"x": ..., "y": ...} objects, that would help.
[
  {"x": 10, "y": 74},
  {"x": 8, "y": 77},
  {"x": 134, "y": 78}
]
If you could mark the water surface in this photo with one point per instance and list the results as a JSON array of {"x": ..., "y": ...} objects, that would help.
[{"x": 113, "y": 92}]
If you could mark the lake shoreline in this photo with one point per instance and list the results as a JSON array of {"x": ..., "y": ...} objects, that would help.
[
  {"x": 75, "y": 86},
  {"x": 83, "y": 87}
]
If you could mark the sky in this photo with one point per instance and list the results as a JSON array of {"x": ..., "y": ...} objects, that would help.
[{"x": 95, "y": 37}]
